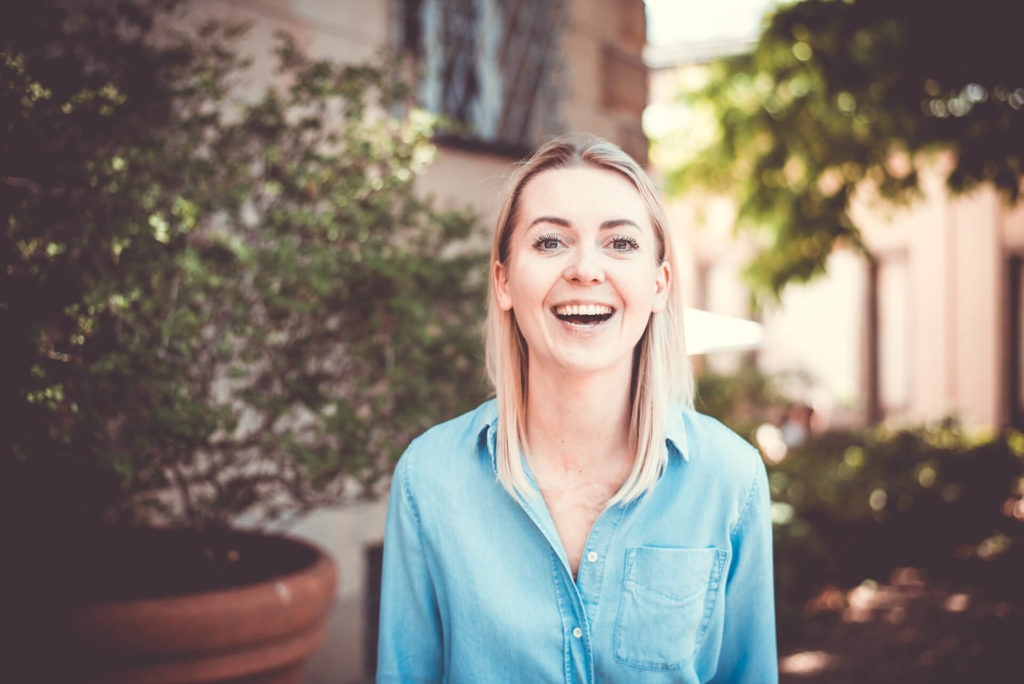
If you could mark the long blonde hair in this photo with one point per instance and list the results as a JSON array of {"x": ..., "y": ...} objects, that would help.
[{"x": 662, "y": 374}]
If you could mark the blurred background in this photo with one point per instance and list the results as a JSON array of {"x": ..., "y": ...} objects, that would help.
[{"x": 844, "y": 172}]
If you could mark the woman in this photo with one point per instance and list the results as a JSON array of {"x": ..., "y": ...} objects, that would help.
[{"x": 586, "y": 525}]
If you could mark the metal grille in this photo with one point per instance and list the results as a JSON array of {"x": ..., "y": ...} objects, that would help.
[
  {"x": 491, "y": 66},
  {"x": 459, "y": 79},
  {"x": 530, "y": 58}
]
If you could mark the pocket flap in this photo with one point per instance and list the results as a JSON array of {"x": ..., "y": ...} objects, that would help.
[{"x": 678, "y": 574}]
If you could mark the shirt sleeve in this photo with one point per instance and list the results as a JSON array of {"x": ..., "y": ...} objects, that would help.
[
  {"x": 748, "y": 652},
  {"x": 409, "y": 642}
]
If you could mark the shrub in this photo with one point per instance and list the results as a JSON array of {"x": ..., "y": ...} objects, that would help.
[
  {"x": 240, "y": 301},
  {"x": 850, "y": 506}
]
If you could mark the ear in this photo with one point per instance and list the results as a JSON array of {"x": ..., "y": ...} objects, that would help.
[
  {"x": 661, "y": 285},
  {"x": 499, "y": 276}
]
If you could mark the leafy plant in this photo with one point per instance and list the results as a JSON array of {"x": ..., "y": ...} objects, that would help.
[
  {"x": 213, "y": 305},
  {"x": 853, "y": 506},
  {"x": 837, "y": 95},
  {"x": 743, "y": 400},
  {"x": 850, "y": 506}
]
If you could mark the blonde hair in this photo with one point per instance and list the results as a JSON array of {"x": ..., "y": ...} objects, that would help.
[{"x": 662, "y": 374}]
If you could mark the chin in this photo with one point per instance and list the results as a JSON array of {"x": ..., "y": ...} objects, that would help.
[{"x": 587, "y": 364}]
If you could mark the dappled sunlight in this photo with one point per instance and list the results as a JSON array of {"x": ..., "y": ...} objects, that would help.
[
  {"x": 911, "y": 628},
  {"x": 957, "y": 603},
  {"x": 806, "y": 662},
  {"x": 1014, "y": 508},
  {"x": 769, "y": 440},
  {"x": 860, "y": 602}
]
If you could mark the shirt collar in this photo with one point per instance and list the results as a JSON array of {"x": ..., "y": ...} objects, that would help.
[
  {"x": 487, "y": 430},
  {"x": 675, "y": 431}
]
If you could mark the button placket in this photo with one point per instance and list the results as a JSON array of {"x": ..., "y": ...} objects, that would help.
[{"x": 591, "y": 571}]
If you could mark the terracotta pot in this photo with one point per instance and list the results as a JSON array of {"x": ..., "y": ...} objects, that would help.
[{"x": 261, "y": 632}]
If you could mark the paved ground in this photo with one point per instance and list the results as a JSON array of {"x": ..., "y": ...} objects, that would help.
[{"x": 910, "y": 630}]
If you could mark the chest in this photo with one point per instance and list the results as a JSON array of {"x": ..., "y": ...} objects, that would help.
[{"x": 574, "y": 508}]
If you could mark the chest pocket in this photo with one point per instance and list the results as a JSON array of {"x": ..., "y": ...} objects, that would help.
[{"x": 668, "y": 597}]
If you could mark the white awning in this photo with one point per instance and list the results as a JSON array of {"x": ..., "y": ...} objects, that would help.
[{"x": 710, "y": 332}]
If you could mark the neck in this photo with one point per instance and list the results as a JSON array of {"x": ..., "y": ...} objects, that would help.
[{"x": 579, "y": 423}]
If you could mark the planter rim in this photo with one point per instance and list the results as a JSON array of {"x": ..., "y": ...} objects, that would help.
[
  {"x": 286, "y": 606},
  {"x": 316, "y": 566}
]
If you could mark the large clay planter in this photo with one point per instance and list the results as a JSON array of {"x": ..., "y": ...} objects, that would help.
[{"x": 262, "y": 632}]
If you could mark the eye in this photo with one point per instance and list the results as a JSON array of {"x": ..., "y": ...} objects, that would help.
[
  {"x": 547, "y": 243},
  {"x": 623, "y": 243}
]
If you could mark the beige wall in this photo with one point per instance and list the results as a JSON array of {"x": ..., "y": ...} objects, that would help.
[
  {"x": 460, "y": 178},
  {"x": 1013, "y": 228},
  {"x": 978, "y": 305},
  {"x": 606, "y": 78},
  {"x": 344, "y": 31},
  {"x": 956, "y": 288}
]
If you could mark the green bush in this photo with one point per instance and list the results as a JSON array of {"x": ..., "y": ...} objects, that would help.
[
  {"x": 742, "y": 400},
  {"x": 850, "y": 506},
  {"x": 214, "y": 306},
  {"x": 854, "y": 505}
]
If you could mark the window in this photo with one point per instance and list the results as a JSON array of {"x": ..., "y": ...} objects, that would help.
[
  {"x": 491, "y": 67},
  {"x": 1016, "y": 341}
]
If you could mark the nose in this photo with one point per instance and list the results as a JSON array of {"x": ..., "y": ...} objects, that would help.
[{"x": 585, "y": 267}]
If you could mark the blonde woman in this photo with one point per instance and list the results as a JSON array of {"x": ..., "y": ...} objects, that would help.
[{"x": 586, "y": 524}]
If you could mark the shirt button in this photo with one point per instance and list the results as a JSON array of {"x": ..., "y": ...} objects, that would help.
[
  {"x": 577, "y": 632},
  {"x": 592, "y": 556}
]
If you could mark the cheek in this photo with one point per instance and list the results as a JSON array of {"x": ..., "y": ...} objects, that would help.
[
  {"x": 528, "y": 285},
  {"x": 643, "y": 287},
  {"x": 527, "y": 298}
]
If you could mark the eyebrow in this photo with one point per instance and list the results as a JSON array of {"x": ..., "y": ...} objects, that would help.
[{"x": 605, "y": 225}]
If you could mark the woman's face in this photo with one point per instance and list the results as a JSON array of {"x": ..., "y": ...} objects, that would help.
[{"x": 582, "y": 274}]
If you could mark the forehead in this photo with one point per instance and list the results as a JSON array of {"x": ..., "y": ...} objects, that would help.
[{"x": 582, "y": 194}]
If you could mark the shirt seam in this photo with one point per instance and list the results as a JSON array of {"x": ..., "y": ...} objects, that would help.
[
  {"x": 407, "y": 493},
  {"x": 747, "y": 504}
]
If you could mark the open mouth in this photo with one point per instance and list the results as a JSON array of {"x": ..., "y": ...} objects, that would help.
[{"x": 583, "y": 314}]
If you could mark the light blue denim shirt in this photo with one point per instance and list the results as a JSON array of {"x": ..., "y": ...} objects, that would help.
[{"x": 675, "y": 586}]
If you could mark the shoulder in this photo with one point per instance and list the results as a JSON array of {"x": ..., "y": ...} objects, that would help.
[
  {"x": 709, "y": 442},
  {"x": 456, "y": 446},
  {"x": 722, "y": 458}
]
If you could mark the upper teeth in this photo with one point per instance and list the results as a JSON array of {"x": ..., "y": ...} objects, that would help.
[{"x": 583, "y": 310}]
